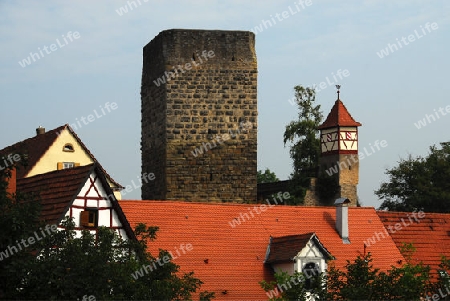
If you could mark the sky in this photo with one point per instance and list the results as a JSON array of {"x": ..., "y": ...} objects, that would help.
[{"x": 87, "y": 60}]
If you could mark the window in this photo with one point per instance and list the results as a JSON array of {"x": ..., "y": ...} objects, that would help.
[
  {"x": 65, "y": 165},
  {"x": 68, "y": 148},
  {"x": 89, "y": 218},
  {"x": 68, "y": 165},
  {"x": 311, "y": 271}
]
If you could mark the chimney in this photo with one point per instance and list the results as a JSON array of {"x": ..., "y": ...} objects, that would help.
[
  {"x": 342, "y": 218},
  {"x": 40, "y": 130},
  {"x": 11, "y": 188}
]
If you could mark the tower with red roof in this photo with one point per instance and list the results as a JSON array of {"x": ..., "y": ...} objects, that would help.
[{"x": 339, "y": 150}]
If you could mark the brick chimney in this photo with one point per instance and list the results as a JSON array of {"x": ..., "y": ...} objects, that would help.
[
  {"x": 40, "y": 130},
  {"x": 342, "y": 218}
]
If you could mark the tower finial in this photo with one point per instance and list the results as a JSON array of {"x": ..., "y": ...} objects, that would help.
[{"x": 338, "y": 87}]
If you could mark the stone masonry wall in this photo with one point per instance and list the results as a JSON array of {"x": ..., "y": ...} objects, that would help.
[
  {"x": 199, "y": 128},
  {"x": 348, "y": 173}
]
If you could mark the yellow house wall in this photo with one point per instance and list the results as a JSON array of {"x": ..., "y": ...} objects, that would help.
[
  {"x": 55, "y": 154},
  {"x": 49, "y": 161}
]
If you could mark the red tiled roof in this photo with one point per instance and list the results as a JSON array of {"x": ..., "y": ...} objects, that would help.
[
  {"x": 231, "y": 259},
  {"x": 285, "y": 248},
  {"x": 35, "y": 147},
  {"x": 339, "y": 116},
  {"x": 430, "y": 235},
  {"x": 57, "y": 190}
]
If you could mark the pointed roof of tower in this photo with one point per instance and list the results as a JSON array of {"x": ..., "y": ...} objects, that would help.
[{"x": 339, "y": 116}]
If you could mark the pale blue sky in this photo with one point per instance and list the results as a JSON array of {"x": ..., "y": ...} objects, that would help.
[{"x": 387, "y": 95}]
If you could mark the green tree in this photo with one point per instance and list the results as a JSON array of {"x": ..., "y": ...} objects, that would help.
[
  {"x": 298, "y": 286},
  {"x": 266, "y": 177},
  {"x": 419, "y": 183},
  {"x": 64, "y": 266},
  {"x": 358, "y": 281},
  {"x": 304, "y": 136}
]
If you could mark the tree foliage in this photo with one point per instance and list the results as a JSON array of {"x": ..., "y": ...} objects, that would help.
[
  {"x": 359, "y": 281},
  {"x": 419, "y": 183},
  {"x": 304, "y": 136},
  {"x": 69, "y": 266},
  {"x": 266, "y": 177}
]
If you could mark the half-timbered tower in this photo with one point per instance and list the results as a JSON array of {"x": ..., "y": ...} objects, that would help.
[{"x": 339, "y": 150}]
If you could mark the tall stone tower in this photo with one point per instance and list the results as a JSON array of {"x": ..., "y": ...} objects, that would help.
[
  {"x": 199, "y": 116},
  {"x": 339, "y": 150}
]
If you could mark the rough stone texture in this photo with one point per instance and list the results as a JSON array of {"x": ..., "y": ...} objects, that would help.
[
  {"x": 212, "y": 106},
  {"x": 311, "y": 199},
  {"x": 348, "y": 174}
]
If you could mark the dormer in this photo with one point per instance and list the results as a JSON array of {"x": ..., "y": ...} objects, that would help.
[{"x": 297, "y": 253}]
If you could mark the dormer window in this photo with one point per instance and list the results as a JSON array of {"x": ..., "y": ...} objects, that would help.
[
  {"x": 311, "y": 270},
  {"x": 298, "y": 253},
  {"x": 68, "y": 148}
]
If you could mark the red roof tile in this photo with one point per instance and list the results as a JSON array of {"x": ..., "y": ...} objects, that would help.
[
  {"x": 430, "y": 235},
  {"x": 35, "y": 147},
  {"x": 230, "y": 258},
  {"x": 339, "y": 116}
]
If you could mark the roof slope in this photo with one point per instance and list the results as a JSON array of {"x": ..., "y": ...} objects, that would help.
[
  {"x": 35, "y": 147},
  {"x": 285, "y": 248},
  {"x": 339, "y": 116},
  {"x": 430, "y": 235},
  {"x": 231, "y": 259},
  {"x": 57, "y": 190}
]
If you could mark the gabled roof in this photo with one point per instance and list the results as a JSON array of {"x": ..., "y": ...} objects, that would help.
[
  {"x": 58, "y": 189},
  {"x": 430, "y": 235},
  {"x": 35, "y": 147},
  {"x": 339, "y": 116},
  {"x": 286, "y": 248},
  {"x": 229, "y": 241}
]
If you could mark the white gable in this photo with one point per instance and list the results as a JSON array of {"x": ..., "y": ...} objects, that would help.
[{"x": 94, "y": 198}]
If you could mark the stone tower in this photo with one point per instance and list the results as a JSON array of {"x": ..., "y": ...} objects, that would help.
[
  {"x": 339, "y": 150},
  {"x": 199, "y": 116}
]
